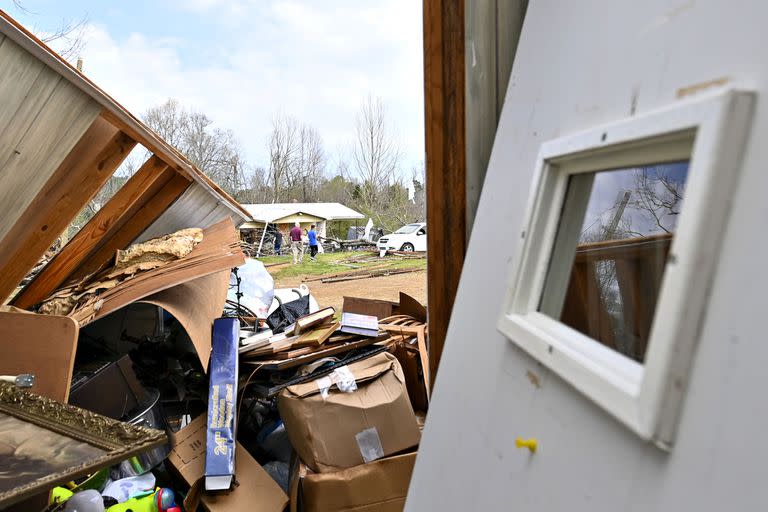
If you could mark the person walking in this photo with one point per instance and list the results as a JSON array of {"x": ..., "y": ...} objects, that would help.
[
  {"x": 297, "y": 248},
  {"x": 278, "y": 241},
  {"x": 312, "y": 236}
]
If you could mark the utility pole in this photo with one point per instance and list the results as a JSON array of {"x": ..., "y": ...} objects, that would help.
[{"x": 622, "y": 204}]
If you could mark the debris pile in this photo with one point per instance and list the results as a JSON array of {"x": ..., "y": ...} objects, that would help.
[{"x": 264, "y": 399}]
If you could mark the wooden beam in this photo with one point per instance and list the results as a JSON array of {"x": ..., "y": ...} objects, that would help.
[
  {"x": 444, "y": 91},
  {"x": 112, "y": 110},
  {"x": 133, "y": 195},
  {"x": 133, "y": 226},
  {"x": 78, "y": 178}
]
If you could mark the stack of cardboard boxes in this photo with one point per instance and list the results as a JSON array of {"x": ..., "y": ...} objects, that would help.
[{"x": 355, "y": 434}]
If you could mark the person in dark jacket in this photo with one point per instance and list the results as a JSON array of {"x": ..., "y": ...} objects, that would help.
[{"x": 278, "y": 241}]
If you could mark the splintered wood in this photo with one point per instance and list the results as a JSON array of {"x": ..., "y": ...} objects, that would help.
[{"x": 197, "y": 253}]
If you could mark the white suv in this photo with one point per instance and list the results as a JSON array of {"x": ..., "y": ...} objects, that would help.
[{"x": 411, "y": 237}]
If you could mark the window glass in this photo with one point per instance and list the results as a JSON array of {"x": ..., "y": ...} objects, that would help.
[
  {"x": 410, "y": 228},
  {"x": 610, "y": 252}
]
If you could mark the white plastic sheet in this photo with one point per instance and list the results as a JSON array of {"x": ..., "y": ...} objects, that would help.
[{"x": 256, "y": 285}]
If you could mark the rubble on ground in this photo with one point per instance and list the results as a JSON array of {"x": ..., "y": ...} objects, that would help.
[{"x": 327, "y": 405}]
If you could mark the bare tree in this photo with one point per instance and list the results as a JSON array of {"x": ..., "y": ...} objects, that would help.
[
  {"x": 283, "y": 148},
  {"x": 375, "y": 157},
  {"x": 68, "y": 39},
  {"x": 256, "y": 189},
  {"x": 310, "y": 162},
  {"x": 169, "y": 121},
  {"x": 658, "y": 196},
  {"x": 214, "y": 151}
]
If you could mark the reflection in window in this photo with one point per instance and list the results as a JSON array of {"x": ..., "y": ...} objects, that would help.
[{"x": 610, "y": 252}]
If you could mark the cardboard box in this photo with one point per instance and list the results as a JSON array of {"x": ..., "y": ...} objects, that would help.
[
  {"x": 375, "y": 307},
  {"x": 254, "y": 491},
  {"x": 409, "y": 360},
  {"x": 379, "y": 486},
  {"x": 331, "y": 429}
]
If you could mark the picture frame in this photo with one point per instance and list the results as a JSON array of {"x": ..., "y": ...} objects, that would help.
[
  {"x": 44, "y": 443},
  {"x": 707, "y": 131}
]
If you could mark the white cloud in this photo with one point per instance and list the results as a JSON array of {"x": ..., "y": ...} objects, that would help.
[{"x": 315, "y": 61}]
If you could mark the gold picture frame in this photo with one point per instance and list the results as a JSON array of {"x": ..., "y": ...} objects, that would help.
[{"x": 44, "y": 443}]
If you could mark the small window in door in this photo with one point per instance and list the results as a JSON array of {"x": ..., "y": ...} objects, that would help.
[
  {"x": 610, "y": 252},
  {"x": 610, "y": 281}
]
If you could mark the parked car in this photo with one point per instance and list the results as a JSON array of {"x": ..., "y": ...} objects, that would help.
[{"x": 411, "y": 237}]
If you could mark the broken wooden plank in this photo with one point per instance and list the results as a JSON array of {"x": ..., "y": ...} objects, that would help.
[
  {"x": 317, "y": 337},
  {"x": 79, "y": 177},
  {"x": 42, "y": 345},
  {"x": 134, "y": 194},
  {"x": 134, "y": 226},
  {"x": 382, "y": 273}
]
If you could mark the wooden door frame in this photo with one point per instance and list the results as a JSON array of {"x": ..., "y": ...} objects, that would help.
[{"x": 445, "y": 139}]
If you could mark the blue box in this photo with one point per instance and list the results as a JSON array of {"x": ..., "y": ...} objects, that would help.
[{"x": 222, "y": 405}]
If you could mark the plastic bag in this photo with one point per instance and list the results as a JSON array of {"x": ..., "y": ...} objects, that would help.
[
  {"x": 256, "y": 285},
  {"x": 279, "y": 472}
]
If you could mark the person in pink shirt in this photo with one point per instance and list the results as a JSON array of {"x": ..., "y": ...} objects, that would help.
[{"x": 297, "y": 248}]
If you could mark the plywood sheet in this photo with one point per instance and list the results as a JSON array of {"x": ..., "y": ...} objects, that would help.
[
  {"x": 18, "y": 75},
  {"x": 42, "y": 345},
  {"x": 33, "y": 149},
  {"x": 219, "y": 250},
  {"x": 85, "y": 169},
  {"x": 195, "y": 304},
  {"x": 99, "y": 231}
]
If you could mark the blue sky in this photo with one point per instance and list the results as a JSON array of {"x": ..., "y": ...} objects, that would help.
[
  {"x": 243, "y": 61},
  {"x": 608, "y": 188}
]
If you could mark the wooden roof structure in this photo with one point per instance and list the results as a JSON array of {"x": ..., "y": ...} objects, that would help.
[{"x": 61, "y": 139}]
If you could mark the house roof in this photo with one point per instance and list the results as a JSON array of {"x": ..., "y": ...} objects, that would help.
[
  {"x": 61, "y": 140},
  {"x": 327, "y": 211}
]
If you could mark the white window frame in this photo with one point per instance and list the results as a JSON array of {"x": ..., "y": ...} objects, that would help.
[{"x": 710, "y": 133}]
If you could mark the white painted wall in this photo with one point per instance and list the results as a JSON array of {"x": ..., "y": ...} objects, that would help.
[{"x": 580, "y": 64}]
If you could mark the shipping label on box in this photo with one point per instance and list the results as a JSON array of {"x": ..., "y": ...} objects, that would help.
[{"x": 331, "y": 429}]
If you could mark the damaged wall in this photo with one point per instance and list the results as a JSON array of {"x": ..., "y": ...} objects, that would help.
[{"x": 580, "y": 64}]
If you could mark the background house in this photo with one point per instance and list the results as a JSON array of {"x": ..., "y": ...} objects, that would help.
[{"x": 282, "y": 216}]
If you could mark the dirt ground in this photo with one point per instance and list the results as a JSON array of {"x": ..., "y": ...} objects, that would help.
[{"x": 387, "y": 288}]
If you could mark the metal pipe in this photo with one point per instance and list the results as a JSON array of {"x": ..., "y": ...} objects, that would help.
[{"x": 263, "y": 234}]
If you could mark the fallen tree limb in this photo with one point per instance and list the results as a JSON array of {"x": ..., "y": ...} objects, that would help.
[{"x": 382, "y": 273}]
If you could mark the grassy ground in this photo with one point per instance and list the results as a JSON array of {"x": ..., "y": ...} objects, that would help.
[{"x": 336, "y": 263}]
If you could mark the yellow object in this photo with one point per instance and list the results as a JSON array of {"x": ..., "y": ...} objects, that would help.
[
  {"x": 531, "y": 444},
  {"x": 60, "y": 495}
]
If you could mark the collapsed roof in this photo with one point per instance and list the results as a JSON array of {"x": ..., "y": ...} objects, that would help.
[{"x": 61, "y": 140}]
